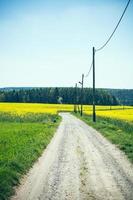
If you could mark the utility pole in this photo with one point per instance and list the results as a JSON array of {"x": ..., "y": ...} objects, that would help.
[
  {"x": 75, "y": 99},
  {"x": 94, "y": 112},
  {"x": 82, "y": 86}
]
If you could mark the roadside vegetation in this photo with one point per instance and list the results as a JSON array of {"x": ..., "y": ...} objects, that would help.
[
  {"x": 117, "y": 131},
  {"x": 22, "y": 140}
]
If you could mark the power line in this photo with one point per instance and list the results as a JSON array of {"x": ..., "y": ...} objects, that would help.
[
  {"x": 115, "y": 28},
  {"x": 89, "y": 70}
]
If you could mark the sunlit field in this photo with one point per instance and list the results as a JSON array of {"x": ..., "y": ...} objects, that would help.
[
  {"x": 115, "y": 112},
  {"x": 23, "y": 108},
  {"x": 23, "y": 138},
  {"x": 119, "y": 112}
]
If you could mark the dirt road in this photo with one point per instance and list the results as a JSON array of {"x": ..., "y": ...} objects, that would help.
[{"x": 79, "y": 164}]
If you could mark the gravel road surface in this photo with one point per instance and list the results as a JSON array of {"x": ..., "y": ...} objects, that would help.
[{"x": 78, "y": 164}]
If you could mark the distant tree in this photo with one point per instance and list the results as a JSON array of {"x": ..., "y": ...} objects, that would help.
[
  {"x": 2, "y": 97},
  {"x": 60, "y": 100}
]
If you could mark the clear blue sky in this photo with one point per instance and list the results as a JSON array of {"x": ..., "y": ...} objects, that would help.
[{"x": 49, "y": 42}]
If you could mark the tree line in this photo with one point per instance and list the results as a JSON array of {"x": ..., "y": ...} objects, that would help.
[
  {"x": 66, "y": 95},
  {"x": 124, "y": 96}
]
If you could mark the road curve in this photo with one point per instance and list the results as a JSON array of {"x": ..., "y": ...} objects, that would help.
[{"x": 78, "y": 164}]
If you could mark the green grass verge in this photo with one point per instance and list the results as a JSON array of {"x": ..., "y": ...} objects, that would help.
[
  {"x": 117, "y": 131},
  {"x": 22, "y": 140}
]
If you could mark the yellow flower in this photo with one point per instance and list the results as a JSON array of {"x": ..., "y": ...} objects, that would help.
[
  {"x": 23, "y": 108},
  {"x": 116, "y": 112}
]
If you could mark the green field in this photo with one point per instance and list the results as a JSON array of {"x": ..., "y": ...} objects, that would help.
[{"x": 22, "y": 140}]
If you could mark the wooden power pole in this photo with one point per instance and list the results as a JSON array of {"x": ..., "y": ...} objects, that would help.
[
  {"x": 75, "y": 99},
  {"x": 82, "y": 87},
  {"x": 94, "y": 112}
]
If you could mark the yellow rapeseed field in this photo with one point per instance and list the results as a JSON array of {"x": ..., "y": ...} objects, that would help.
[
  {"x": 117, "y": 112},
  {"x": 23, "y": 108},
  {"x": 126, "y": 115}
]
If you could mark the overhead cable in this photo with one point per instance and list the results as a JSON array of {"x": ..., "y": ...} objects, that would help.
[
  {"x": 115, "y": 28},
  {"x": 89, "y": 70}
]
